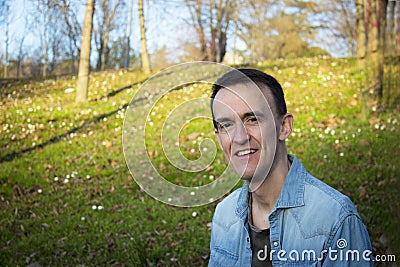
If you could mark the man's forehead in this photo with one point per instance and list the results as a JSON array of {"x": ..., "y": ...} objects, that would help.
[{"x": 248, "y": 93}]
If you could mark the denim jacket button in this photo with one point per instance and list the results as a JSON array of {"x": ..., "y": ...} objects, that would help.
[{"x": 276, "y": 244}]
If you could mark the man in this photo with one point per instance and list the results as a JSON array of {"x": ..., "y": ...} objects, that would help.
[{"x": 282, "y": 215}]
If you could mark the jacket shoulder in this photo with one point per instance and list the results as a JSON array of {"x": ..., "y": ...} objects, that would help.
[
  {"x": 321, "y": 194},
  {"x": 225, "y": 211}
]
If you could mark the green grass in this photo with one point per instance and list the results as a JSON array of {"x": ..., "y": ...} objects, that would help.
[{"x": 67, "y": 197}]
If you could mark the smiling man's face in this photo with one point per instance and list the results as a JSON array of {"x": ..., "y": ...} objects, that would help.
[{"x": 246, "y": 130}]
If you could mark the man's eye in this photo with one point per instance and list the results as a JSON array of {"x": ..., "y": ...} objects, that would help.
[
  {"x": 225, "y": 125},
  {"x": 252, "y": 119}
]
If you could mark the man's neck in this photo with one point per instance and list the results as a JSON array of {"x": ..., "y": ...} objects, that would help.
[{"x": 266, "y": 196}]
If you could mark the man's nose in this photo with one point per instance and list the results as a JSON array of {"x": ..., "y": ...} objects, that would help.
[{"x": 241, "y": 136}]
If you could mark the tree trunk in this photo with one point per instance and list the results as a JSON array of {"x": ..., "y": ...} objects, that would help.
[
  {"x": 398, "y": 31},
  {"x": 361, "y": 34},
  {"x": 383, "y": 4},
  {"x": 382, "y": 45},
  {"x": 390, "y": 48},
  {"x": 72, "y": 30},
  {"x": 84, "y": 61},
  {"x": 20, "y": 57},
  {"x": 212, "y": 53},
  {"x": 145, "y": 56},
  {"x": 7, "y": 40},
  {"x": 109, "y": 17},
  {"x": 198, "y": 25},
  {"x": 223, "y": 39},
  {"x": 376, "y": 44},
  {"x": 367, "y": 11},
  {"x": 99, "y": 46},
  {"x": 45, "y": 59},
  {"x": 235, "y": 52},
  {"x": 200, "y": 33},
  {"x": 373, "y": 35},
  {"x": 6, "y": 37},
  {"x": 105, "y": 48},
  {"x": 45, "y": 12},
  {"x": 222, "y": 46},
  {"x": 128, "y": 34},
  {"x": 224, "y": 14},
  {"x": 72, "y": 64},
  {"x": 392, "y": 29}
]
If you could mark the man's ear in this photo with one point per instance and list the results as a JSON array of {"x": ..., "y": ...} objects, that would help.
[{"x": 286, "y": 127}]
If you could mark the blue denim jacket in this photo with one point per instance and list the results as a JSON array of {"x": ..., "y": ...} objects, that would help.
[{"x": 311, "y": 224}]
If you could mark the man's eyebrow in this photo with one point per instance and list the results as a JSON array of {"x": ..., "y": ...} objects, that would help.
[
  {"x": 257, "y": 114},
  {"x": 222, "y": 119},
  {"x": 253, "y": 114}
]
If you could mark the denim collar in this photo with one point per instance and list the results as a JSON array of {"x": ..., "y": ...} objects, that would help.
[{"x": 292, "y": 193}]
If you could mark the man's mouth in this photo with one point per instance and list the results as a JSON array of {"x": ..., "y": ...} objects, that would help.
[{"x": 246, "y": 152}]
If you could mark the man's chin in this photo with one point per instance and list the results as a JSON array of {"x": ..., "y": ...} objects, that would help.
[
  {"x": 251, "y": 178},
  {"x": 245, "y": 176}
]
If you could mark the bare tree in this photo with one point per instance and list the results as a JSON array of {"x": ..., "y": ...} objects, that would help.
[
  {"x": 254, "y": 23},
  {"x": 42, "y": 20},
  {"x": 330, "y": 23},
  {"x": 45, "y": 17},
  {"x": 128, "y": 35},
  {"x": 211, "y": 21},
  {"x": 345, "y": 28},
  {"x": 376, "y": 20},
  {"x": 392, "y": 29},
  {"x": 21, "y": 54},
  {"x": 376, "y": 27},
  {"x": 398, "y": 30},
  {"x": 4, "y": 18},
  {"x": 84, "y": 60},
  {"x": 143, "y": 41},
  {"x": 361, "y": 33},
  {"x": 59, "y": 41},
  {"x": 382, "y": 23},
  {"x": 7, "y": 42},
  {"x": 3, "y": 8},
  {"x": 223, "y": 17},
  {"x": 72, "y": 29},
  {"x": 276, "y": 29},
  {"x": 105, "y": 24}
]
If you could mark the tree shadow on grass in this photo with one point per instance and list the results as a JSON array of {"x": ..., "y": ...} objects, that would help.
[
  {"x": 16, "y": 154},
  {"x": 119, "y": 90},
  {"x": 161, "y": 74}
]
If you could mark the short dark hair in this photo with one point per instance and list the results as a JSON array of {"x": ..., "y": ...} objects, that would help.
[{"x": 261, "y": 79}]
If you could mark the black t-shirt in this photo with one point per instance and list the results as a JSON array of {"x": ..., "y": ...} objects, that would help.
[
  {"x": 261, "y": 247},
  {"x": 260, "y": 243}
]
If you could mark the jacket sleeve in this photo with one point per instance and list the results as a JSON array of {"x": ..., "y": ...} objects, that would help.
[
  {"x": 210, "y": 262},
  {"x": 350, "y": 245},
  {"x": 212, "y": 241}
]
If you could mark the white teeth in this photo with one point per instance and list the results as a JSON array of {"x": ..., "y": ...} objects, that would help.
[{"x": 245, "y": 152}]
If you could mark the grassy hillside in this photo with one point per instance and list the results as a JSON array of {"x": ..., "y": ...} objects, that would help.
[{"x": 67, "y": 197}]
